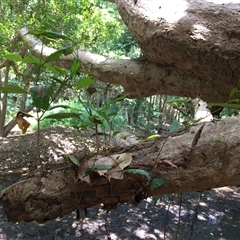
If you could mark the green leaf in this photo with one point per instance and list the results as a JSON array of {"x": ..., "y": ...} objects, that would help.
[
  {"x": 157, "y": 182},
  {"x": 62, "y": 115},
  {"x": 73, "y": 160},
  {"x": 126, "y": 136},
  {"x": 112, "y": 102},
  {"x": 153, "y": 136},
  {"x": 14, "y": 57},
  {"x": 85, "y": 82},
  {"x": 26, "y": 59},
  {"x": 55, "y": 69},
  {"x": 66, "y": 50},
  {"x": 116, "y": 132},
  {"x": 65, "y": 107},
  {"x": 76, "y": 63},
  {"x": 84, "y": 127},
  {"x": 53, "y": 57},
  {"x": 233, "y": 91},
  {"x": 120, "y": 98},
  {"x": 57, "y": 79},
  {"x": 51, "y": 91},
  {"x": 40, "y": 96},
  {"x": 155, "y": 199},
  {"x": 49, "y": 34},
  {"x": 32, "y": 59},
  {"x": 174, "y": 126},
  {"x": 89, "y": 106},
  {"x": 56, "y": 55},
  {"x": 103, "y": 115},
  {"x": 114, "y": 113},
  {"x": 99, "y": 167},
  {"x": 12, "y": 89},
  {"x": 138, "y": 172},
  {"x": 94, "y": 119},
  {"x": 236, "y": 100}
]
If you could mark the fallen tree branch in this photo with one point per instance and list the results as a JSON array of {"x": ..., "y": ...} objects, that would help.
[
  {"x": 213, "y": 162},
  {"x": 138, "y": 77}
]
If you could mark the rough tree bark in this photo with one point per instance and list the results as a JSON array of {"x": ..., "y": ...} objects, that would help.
[
  {"x": 212, "y": 162},
  {"x": 190, "y": 39},
  {"x": 3, "y": 109},
  {"x": 190, "y": 48}
]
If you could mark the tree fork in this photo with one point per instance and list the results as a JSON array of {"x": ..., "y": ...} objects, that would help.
[{"x": 213, "y": 162}]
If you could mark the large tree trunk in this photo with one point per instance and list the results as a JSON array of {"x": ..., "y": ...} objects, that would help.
[
  {"x": 189, "y": 39},
  {"x": 190, "y": 48},
  {"x": 188, "y": 162}
]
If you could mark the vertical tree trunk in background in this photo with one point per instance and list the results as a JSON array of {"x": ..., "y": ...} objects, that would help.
[
  {"x": 13, "y": 122},
  {"x": 136, "y": 109},
  {"x": 4, "y": 102},
  {"x": 7, "y": 129},
  {"x": 26, "y": 79},
  {"x": 0, "y": 92},
  {"x": 149, "y": 113}
]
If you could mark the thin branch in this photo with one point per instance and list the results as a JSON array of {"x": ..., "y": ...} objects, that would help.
[
  {"x": 179, "y": 215},
  {"x": 195, "y": 216},
  {"x": 5, "y": 63}
]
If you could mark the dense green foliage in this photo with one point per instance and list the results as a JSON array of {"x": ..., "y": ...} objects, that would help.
[
  {"x": 88, "y": 25},
  {"x": 93, "y": 25}
]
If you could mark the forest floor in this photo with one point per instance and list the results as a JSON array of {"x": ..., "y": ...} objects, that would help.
[{"x": 213, "y": 214}]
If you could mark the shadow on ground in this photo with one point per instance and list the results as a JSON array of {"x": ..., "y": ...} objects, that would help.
[{"x": 218, "y": 218}]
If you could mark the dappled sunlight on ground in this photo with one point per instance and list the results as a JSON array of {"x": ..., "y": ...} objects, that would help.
[
  {"x": 21, "y": 151},
  {"x": 217, "y": 218},
  {"x": 218, "y": 210}
]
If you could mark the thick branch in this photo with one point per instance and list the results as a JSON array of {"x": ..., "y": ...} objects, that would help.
[
  {"x": 213, "y": 162},
  {"x": 201, "y": 38},
  {"x": 138, "y": 77}
]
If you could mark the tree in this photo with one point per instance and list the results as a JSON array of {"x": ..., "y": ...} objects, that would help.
[
  {"x": 188, "y": 49},
  {"x": 182, "y": 55},
  {"x": 95, "y": 17}
]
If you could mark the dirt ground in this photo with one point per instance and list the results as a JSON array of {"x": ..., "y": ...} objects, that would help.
[{"x": 218, "y": 210}]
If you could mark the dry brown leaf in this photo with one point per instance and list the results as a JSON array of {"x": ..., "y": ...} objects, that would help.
[
  {"x": 23, "y": 124},
  {"x": 167, "y": 162},
  {"x": 123, "y": 160},
  {"x": 197, "y": 136},
  {"x": 117, "y": 162},
  {"x": 115, "y": 172},
  {"x": 23, "y": 114},
  {"x": 83, "y": 166},
  {"x": 135, "y": 178}
]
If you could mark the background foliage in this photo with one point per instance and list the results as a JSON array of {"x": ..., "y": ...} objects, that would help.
[{"x": 90, "y": 25}]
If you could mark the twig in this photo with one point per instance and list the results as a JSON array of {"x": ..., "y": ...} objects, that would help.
[
  {"x": 195, "y": 216},
  {"x": 105, "y": 225},
  {"x": 197, "y": 137},
  {"x": 166, "y": 216},
  {"x": 179, "y": 216},
  {"x": 158, "y": 155}
]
